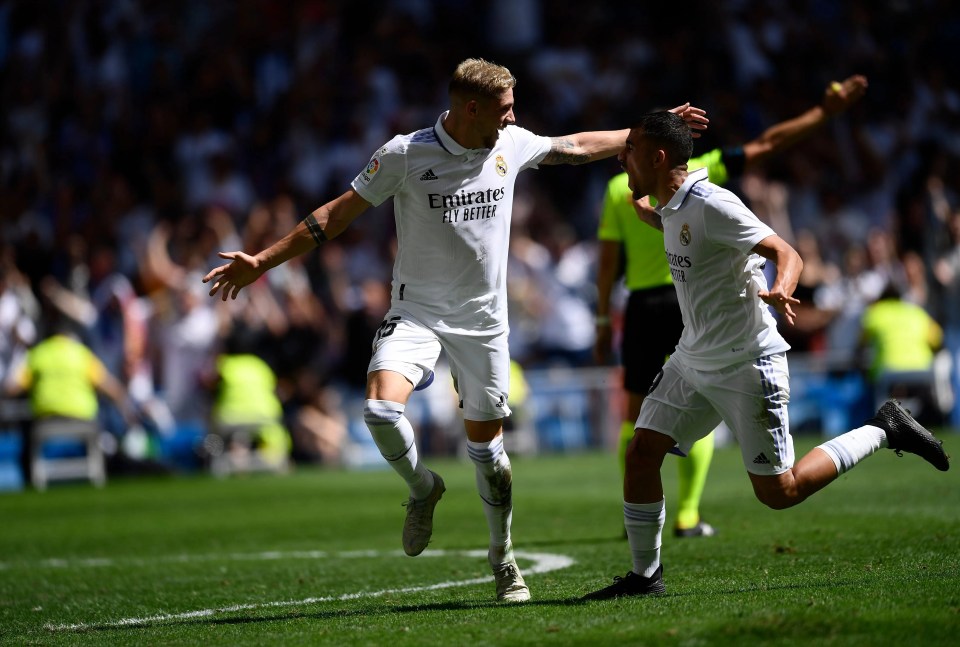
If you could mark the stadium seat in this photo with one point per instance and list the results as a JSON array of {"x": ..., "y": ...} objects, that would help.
[
  {"x": 233, "y": 448},
  {"x": 46, "y": 467}
]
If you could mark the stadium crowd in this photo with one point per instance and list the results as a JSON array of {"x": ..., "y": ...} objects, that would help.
[{"x": 139, "y": 138}]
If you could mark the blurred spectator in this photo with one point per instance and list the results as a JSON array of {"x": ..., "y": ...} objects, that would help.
[
  {"x": 318, "y": 425},
  {"x": 184, "y": 329},
  {"x": 101, "y": 306},
  {"x": 565, "y": 294},
  {"x": 947, "y": 272},
  {"x": 63, "y": 378},
  {"x": 846, "y": 299},
  {"x": 246, "y": 412},
  {"x": 525, "y": 269},
  {"x": 915, "y": 289},
  {"x": 17, "y": 329},
  {"x": 808, "y": 332},
  {"x": 883, "y": 259},
  {"x": 372, "y": 303},
  {"x": 900, "y": 339}
]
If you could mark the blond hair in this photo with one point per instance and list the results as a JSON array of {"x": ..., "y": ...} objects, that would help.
[{"x": 477, "y": 77}]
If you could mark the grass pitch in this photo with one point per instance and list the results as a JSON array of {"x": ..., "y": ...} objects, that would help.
[{"x": 314, "y": 559}]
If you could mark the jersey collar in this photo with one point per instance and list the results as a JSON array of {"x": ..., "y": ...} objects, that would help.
[
  {"x": 681, "y": 195},
  {"x": 451, "y": 146}
]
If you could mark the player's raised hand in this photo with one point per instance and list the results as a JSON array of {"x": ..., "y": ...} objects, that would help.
[
  {"x": 230, "y": 278},
  {"x": 841, "y": 95},
  {"x": 781, "y": 302},
  {"x": 696, "y": 118}
]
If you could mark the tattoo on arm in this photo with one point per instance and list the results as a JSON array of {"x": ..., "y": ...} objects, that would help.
[{"x": 562, "y": 152}]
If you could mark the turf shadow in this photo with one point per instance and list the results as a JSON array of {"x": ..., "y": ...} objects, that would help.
[{"x": 326, "y": 615}]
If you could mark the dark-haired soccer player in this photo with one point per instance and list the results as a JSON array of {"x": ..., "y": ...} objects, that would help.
[
  {"x": 652, "y": 314},
  {"x": 730, "y": 363}
]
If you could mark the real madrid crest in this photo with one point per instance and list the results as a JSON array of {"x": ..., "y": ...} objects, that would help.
[
  {"x": 501, "y": 165},
  {"x": 685, "y": 236}
]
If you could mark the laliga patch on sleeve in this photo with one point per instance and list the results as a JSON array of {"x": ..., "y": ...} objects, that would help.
[{"x": 371, "y": 170}]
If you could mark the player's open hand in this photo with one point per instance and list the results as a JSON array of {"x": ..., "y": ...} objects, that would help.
[
  {"x": 781, "y": 302},
  {"x": 696, "y": 118},
  {"x": 231, "y": 277}
]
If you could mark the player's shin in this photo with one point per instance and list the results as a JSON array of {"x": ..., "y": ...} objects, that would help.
[
  {"x": 644, "y": 524},
  {"x": 495, "y": 486},
  {"x": 846, "y": 450}
]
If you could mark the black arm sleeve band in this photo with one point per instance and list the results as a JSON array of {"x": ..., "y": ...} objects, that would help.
[{"x": 314, "y": 228}]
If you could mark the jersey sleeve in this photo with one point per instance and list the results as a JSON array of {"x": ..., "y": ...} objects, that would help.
[
  {"x": 615, "y": 197},
  {"x": 384, "y": 175},
  {"x": 729, "y": 222},
  {"x": 530, "y": 148}
]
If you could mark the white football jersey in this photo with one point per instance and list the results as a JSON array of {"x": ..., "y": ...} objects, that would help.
[
  {"x": 453, "y": 208},
  {"x": 708, "y": 235}
]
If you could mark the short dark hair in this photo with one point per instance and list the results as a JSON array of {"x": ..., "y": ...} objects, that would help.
[{"x": 668, "y": 131}]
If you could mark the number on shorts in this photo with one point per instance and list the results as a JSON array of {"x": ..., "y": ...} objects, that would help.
[
  {"x": 656, "y": 381},
  {"x": 386, "y": 328}
]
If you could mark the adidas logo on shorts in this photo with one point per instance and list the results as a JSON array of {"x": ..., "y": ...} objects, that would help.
[
  {"x": 429, "y": 175},
  {"x": 761, "y": 459}
]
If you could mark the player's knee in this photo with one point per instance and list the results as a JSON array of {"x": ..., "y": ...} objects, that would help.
[
  {"x": 381, "y": 412},
  {"x": 646, "y": 450},
  {"x": 777, "y": 498},
  {"x": 774, "y": 502},
  {"x": 383, "y": 419}
]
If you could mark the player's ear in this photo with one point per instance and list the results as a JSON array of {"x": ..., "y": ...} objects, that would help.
[
  {"x": 659, "y": 157},
  {"x": 473, "y": 107}
]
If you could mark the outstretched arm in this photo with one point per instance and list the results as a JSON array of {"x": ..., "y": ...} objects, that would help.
[
  {"x": 586, "y": 147},
  {"x": 324, "y": 223},
  {"x": 596, "y": 145},
  {"x": 837, "y": 98},
  {"x": 789, "y": 265}
]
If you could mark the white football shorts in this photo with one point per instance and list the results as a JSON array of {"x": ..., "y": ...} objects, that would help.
[
  {"x": 479, "y": 364},
  {"x": 751, "y": 397}
]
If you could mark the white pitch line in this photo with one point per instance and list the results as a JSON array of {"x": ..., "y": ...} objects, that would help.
[
  {"x": 542, "y": 563},
  {"x": 103, "y": 562}
]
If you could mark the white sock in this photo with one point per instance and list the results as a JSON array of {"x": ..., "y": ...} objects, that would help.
[
  {"x": 846, "y": 450},
  {"x": 394, "y": 437},
  {"x": 644, "y": 524},
  {"x": 495, "y": 485}
]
